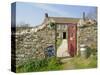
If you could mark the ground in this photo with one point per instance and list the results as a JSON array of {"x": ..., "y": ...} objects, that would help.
[{"x": 79, "y": 63}]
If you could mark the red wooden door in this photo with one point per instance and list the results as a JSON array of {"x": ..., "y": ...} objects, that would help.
[{"x": 72, "y": 39}]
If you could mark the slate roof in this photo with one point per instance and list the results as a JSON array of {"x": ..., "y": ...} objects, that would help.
[{"x": 64, "y": 19}]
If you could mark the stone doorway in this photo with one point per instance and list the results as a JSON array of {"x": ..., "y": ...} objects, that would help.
[
  {"x": 62, "y": 49},
  {"x": 68, "y": 41}
]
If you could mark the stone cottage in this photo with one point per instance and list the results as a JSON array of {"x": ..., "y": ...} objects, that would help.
[
  {"x": 65, "y": 28},
  {"x": 62, "y": 35}
]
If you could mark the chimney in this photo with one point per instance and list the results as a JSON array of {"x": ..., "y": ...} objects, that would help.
[
  {"x": 83, "y": 16},
  {"x": 46, "y": 15}
]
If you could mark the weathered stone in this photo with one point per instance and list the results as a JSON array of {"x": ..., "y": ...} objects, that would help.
[
  {"x": 30, "y": 45},
  {"x": 87, "y": 35}
]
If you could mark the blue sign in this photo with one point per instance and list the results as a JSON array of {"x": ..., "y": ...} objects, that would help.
[{"x": 50, "y": 51}]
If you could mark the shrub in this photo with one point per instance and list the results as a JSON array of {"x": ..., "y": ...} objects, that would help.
[
  {"x": 91, "y": 51},
  {"x": 81, "y": 63},
  {"x": 40, "y": 65},
  {"x": 88, "y": 52}
]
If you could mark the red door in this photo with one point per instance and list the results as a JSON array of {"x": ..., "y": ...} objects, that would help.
[{"x": 72, "y": 39}]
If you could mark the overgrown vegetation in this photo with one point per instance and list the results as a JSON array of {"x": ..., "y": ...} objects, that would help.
[
  {"x": 54, "y": 63},
  {"x": 52, "y": 25},
  {"x": 78, "y": 62},
  {"x": 81, "y": 63},
  {"x": 91, "y": 51},
  {"x": 40, "y": 65}
]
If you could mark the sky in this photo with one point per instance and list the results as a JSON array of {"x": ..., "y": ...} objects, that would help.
[{"x": 34, "y": 13}]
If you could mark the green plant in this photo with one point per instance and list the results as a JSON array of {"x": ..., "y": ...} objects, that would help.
[
  {"x": 40, "y": 65},
  {"x": 88, "y": 52},
  {"x": 94, "y": 51},
  {"x": 80, "y": 62},
  {"x": 52, "y": 25}
]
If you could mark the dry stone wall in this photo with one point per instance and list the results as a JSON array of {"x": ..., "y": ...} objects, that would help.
[
  {"x": 87, "y": 35},
  {"x": 31, "y": 45}
]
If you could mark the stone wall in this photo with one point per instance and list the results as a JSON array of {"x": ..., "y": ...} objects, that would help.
[
  {"x": 31, "y": 45},
  {"x": 87, "y": 35}
]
